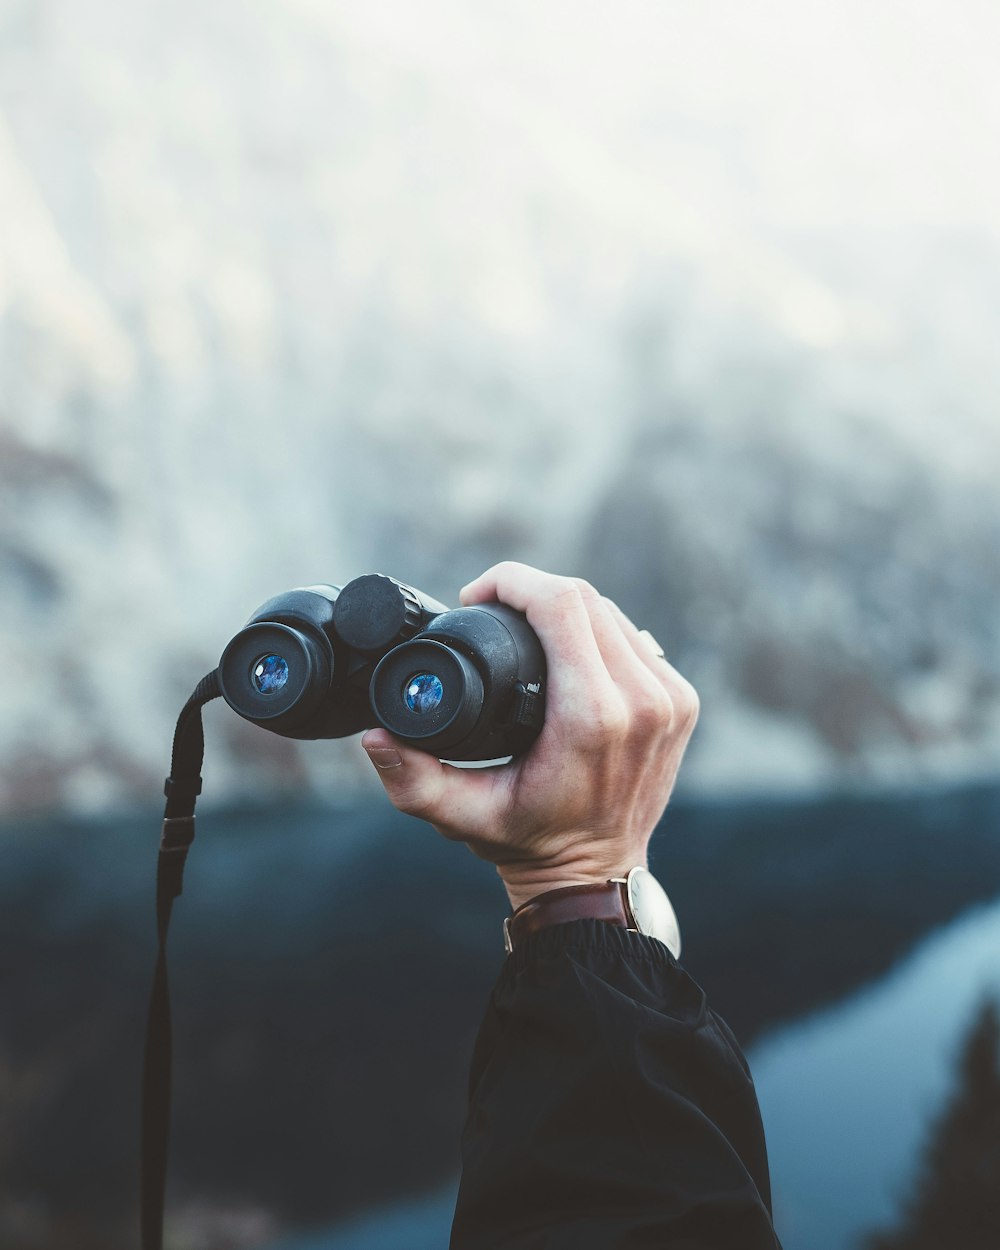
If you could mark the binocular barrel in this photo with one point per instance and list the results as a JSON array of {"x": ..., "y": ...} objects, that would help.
[{"x": 326, "y": 662}]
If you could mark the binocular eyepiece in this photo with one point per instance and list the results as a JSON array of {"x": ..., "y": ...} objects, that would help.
[{"x": 327, "y": 662}]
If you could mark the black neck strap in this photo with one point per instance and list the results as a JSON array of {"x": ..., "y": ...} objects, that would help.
[{"x": 182, "y": 789}]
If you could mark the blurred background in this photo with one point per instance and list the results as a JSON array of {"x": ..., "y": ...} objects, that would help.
[{"x": 700, "y": 302}]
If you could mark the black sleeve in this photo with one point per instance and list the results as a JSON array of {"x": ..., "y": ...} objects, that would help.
[{"x": 610, "y": 1109}]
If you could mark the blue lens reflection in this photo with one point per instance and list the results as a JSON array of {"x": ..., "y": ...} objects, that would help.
[
  {"x": 423, "y": 693},
  {"x": 270, "y": 674}
]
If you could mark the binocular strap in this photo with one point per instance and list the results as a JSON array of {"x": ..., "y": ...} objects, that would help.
[{"x": 182, "y": 789}]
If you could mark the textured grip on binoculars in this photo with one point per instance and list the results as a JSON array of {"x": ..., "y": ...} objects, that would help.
[{"x": 529, "y": 709}]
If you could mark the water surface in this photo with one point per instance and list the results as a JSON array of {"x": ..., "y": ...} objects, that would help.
[{"x": 846, "y": 1095}]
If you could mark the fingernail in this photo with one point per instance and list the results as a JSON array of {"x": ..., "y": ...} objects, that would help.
[{"x": 385, "y": 757}]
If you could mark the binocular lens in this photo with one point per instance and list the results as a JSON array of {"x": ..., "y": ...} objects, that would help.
[
  {"x": 423, "y": 693},
  {"x": 270, "y": 674},
  {"x": 277, "y": 676},
  {"x": 427, "y": 693}
]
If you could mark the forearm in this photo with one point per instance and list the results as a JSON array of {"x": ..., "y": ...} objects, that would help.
[{"x": 609, "y": 1107}]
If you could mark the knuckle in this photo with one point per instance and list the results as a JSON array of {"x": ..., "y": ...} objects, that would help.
[
  {"x": 687, "y": 705},
  {"x": 607, "y": 722},
  {"x": 652, "y": 710},
  {"x": 564, "y": 588},
  {"x": 413, "y": 801},
  {"x": 504, "y": 573},
  {"x": 586, "y": 591}
]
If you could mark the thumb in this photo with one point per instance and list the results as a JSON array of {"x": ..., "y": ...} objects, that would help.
[{"x": 459, "y": 803}]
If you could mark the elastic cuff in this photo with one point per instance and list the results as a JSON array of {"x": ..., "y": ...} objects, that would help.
[{"x": 596, "y": 936}]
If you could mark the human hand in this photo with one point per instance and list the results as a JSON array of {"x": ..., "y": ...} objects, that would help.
[{"x": 581, "y": 805}]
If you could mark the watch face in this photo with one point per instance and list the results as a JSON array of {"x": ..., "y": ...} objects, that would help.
[{"x": 654, "y": 913}]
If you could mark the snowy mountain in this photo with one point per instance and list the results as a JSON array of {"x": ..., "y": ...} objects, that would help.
[{"x": 701, "y": 303}]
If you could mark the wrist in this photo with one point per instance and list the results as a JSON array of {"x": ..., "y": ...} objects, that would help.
[
  {"x": 528, "y": 882},
  {"x": 635, "y": 901}
]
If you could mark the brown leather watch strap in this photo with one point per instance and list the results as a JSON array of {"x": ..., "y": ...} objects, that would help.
[{"x": 607, "y": 901}]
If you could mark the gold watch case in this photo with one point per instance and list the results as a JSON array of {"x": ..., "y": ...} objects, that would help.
[{"x": 651, "y": 909}]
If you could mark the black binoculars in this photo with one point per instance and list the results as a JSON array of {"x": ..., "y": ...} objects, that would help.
[{"x": 327, "y": 662}]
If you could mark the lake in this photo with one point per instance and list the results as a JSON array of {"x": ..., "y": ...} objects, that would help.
[{"x": 846, "y": 1095}]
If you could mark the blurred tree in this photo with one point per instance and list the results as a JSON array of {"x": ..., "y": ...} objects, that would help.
[{"x": 956, "y": 1200}]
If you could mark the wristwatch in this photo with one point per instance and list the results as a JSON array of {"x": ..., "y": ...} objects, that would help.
[{"x": 637, "y": 902}]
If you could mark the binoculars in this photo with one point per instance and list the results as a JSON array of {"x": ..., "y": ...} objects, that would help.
[{"x": 329, "y": 661}]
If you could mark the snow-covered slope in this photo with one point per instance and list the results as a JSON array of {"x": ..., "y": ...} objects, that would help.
[{"x": 702, "y": 301}]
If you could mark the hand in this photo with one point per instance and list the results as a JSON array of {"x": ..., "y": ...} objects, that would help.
[{"x": 581, "y": 805}]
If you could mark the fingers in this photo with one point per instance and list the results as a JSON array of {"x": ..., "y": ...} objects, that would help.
[
  {"x": 459, "y": 803},
  {"x": 683, "y": 695},
  {"x": 645, "y": 647},
  {"x": 611, "y": 649},
  {"x": 654, "y": 646},
  {"x": 624, "y": 665},
  {"x": 566, "y": 610},
  {"x": 556, "y": 610},
  {"x": 590, "y": 790}
]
